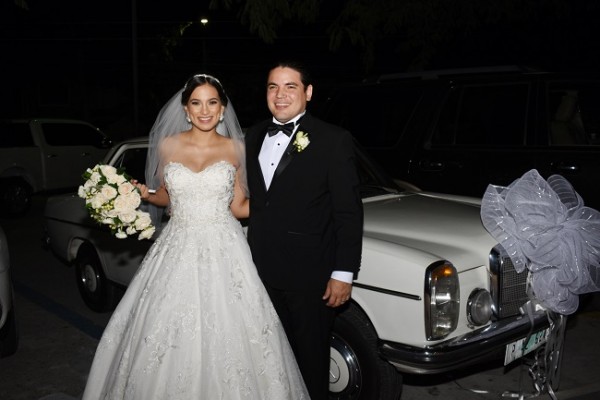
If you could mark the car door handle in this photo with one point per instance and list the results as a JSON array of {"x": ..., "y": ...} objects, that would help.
[
  {"x": 564, "y": 167},
  {"x": 428, "y": 165},
  {"x": 51, "y": 155},
  {"x": 85, "y": 154}
]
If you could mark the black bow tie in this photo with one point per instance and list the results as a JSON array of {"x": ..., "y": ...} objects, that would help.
[{"x": 274, "y": 128}]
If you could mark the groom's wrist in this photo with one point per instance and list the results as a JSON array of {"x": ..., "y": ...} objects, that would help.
[{"x": 344, "y": 276}]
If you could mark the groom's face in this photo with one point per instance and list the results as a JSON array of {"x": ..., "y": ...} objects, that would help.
[{"x": 286, "y": 95}]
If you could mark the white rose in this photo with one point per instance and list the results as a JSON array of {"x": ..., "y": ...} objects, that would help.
[
  {"x": 303, "y": 141},
  {"x": 143, "y": 220},
  {"x": 95, "y": 178},
  {"x": 111, "y": 174},
  {"x": 81, "y": 192},
  {"x": 146, "y": 233},
  {"x": 120, "y": 234},
  {"x": 109, "y": 192},
  {"x": 120, "y": 204},
  {"x": 107, "y": 221},
  {"x": 130, "y": 230},
  {"x": 126, "y": 188},
  {"x": 108, "y": 170},
  {"x": 129, "y": 201},
  {"x": 115, "y": 179},
  {"x": 112, "y": 213},
  {"x": 134, "y": 199},
  {"x": 127, "y": 216},
  {"x": 89, "y": 185},
  {"x": 97, "y": 200},
  {"x": 121, "y": 179}
]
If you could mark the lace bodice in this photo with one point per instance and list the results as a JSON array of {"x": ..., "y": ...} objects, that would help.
[{"x": 202, "y": 196}]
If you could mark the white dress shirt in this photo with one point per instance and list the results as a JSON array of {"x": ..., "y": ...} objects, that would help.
[{"x": 271, "y": 152}]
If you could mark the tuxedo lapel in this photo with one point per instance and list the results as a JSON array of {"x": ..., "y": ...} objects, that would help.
[
  {"x": 286, "y": 158},
  {"x": 260, "y": 137}
]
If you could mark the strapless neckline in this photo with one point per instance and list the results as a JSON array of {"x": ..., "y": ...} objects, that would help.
[{"x": 213, "y": 165}]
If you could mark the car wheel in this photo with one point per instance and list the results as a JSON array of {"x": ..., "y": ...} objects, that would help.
[
  {"x": 98, "y": 293},
  {"x": 9, "y": 338},
  {"x": 356, "y": 370},
  {"x": 15, "y": 196}
]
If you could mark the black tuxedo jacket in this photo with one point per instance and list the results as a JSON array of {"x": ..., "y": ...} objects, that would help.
[{"x": 310, "y": 221}]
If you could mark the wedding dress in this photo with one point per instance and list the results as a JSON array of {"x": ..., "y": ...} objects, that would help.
[{"x": 196, "y": 322}]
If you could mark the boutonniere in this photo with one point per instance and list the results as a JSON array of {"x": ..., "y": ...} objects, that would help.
[{"x": 301, "y": 141}]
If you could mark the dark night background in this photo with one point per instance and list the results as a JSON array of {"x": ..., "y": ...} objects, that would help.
[{"x": 89, "y": 60}]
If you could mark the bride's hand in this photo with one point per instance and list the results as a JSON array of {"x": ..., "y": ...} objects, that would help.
[{"x": 144, "y": 190}]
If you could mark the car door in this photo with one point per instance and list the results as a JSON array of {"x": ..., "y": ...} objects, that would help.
[
  {"x": 383, "y": 119},
  {"x": 481, "y": 136},
  {"x": 70, "y": 148},
  {"x": 570, "y": 136},
  {"x": 123, "y": 256}
]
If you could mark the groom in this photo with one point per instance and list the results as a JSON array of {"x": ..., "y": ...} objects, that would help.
[{"x": 305, "y": 227}]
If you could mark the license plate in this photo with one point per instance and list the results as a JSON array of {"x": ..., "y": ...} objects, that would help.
[{"x": 518, "y": 349}]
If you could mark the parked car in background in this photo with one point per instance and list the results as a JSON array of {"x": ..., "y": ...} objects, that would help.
[
  {"x": 9, "y": 338},
  {"x": 435, "y": 292},
  {"x": 456, "y": 131},
  {"x": 44, "y": 154},
  {"x": 103, "y": 264}
]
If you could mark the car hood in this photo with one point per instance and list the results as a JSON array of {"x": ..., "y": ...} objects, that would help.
[{"x": 446, "y": 227}]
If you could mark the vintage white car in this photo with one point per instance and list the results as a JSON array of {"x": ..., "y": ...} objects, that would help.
[
  {"x": 435, "y": 292},
  {"x": 9, "y": 338}
]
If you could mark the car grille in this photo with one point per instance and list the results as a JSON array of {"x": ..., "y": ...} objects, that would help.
[{"x": 508, "y": 287}]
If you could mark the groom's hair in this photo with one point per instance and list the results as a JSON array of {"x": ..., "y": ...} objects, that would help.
[{"x": 296, "y": 66}]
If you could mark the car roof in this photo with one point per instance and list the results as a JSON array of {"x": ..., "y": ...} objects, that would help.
[
  {"x": 46, "y": 120},
  {"x": 491, "y": 73}
]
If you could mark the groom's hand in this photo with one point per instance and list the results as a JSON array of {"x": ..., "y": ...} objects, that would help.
[{"x": 337, "y": 293}]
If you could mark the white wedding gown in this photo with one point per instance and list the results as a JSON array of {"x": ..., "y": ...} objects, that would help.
[{"x": 196, "y": 322}]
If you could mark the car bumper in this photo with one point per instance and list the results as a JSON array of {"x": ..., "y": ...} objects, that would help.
[
  {"x": 484, "y": 344},
  {"x": 6, "y": 296}
]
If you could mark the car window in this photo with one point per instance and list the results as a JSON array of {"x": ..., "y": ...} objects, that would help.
[
  {"x": 15, "y": 135},
  {"x": 484, "y": 116},
  {"x": 376, "y": 117},
  {"x": 133, "y": 161},
  {"x": 573, "y": 113},
  {"x": 69, "y": 134}
]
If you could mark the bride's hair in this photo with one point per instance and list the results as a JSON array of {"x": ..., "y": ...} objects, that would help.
[
  {"x": 171, "y": 121},
  {"x": 199, "y": 80}
]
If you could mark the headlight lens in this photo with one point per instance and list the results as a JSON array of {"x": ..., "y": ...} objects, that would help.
[
  {"x": 442, "y": 300},
  {"x": 479, "y": 307}
]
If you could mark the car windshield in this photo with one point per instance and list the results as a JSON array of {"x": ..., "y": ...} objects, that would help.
[{"x": 373, "y": 180}]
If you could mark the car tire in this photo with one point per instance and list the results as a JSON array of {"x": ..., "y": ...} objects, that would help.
[
  {"x": 15, "y": 197},
  {"x": 98, "y": 293},
  {"x": 9, "y": 337},
  {"x": 356, "y": 370}
]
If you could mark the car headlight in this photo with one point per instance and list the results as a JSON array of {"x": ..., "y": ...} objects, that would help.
[
  {"x": 442, "y": 300},
  {"x": 479, "y": 307}
]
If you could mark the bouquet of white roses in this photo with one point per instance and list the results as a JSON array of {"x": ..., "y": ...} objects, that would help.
[{"x": 112, "y": 200}]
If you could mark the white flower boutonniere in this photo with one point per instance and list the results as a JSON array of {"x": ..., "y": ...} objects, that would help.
[
  {"x": 112, "y": 200},
  {"x": 301, "y": 141}
]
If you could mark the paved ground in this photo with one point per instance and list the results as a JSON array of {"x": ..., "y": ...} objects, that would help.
[{"x": 53, "y": 360}]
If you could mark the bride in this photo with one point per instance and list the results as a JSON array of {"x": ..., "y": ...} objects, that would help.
[{"x": 195, "y": 321}]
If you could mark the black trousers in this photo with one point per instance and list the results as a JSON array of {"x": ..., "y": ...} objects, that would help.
[{"x": 307, "y": 322}]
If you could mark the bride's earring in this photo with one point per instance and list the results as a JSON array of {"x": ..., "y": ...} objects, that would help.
[
  {"x": 188, "y": 119},
  {"x": 221, "y": 118}
]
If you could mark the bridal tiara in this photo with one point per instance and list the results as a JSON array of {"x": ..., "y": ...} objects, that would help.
[{"x": 206, "y": 76}]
